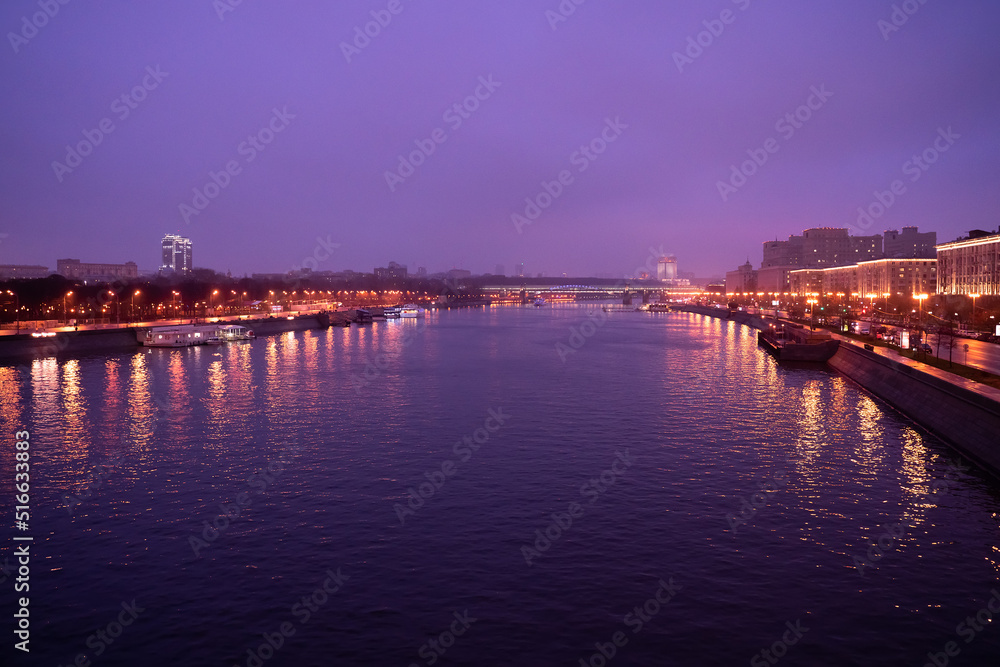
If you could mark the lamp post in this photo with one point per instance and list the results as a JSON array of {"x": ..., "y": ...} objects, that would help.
[
  {"x": 173, "y": 298},
  {"x": 812, "y": 313},
  {"x": 17, "y": 308},
  {"x": 920, "y": 314},
  {"x": 211, "y": 301},
  {"x": 65, "y": 316},
  {"x": 920, "y": 303},
  {"x": 134, "y": 294},
  {"x": 974, "y": 297}
]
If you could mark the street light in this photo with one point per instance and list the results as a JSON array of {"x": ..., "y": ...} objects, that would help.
[
  {"x": 134, "y": 294},
  {"x": 65, "y": 317},
  {"x": 812, "y": 313},
  {"x": 17, "y": 307},
  {"x": 920, "y": 303},
  {"x": 974, "y": 297}
]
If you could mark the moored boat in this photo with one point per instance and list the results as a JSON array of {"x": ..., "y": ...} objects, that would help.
[
  {"x": 235, "y": 332},
  {"x": 411, "y": 310}
]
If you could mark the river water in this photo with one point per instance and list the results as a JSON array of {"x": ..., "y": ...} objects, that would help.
[{"x": 536, "y": 486}]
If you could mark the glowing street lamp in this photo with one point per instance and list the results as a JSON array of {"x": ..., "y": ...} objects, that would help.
[
  {"x": 17, "y": 308},
  {"x": 920, "y": 303},
  {"x": 812, "y": 313},
  {"x": 134, "y": 294},
  {"x": 65, "y": 317},
  {"x": 974, "y": 297}
]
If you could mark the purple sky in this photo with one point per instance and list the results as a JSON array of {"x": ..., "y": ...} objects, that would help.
[{"x": 323, "y": 175}]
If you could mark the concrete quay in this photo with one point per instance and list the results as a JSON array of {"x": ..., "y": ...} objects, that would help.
[{"x": 963, "y": 413}]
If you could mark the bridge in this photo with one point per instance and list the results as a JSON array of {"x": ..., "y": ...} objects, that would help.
[{"x": 647, "y": 291}]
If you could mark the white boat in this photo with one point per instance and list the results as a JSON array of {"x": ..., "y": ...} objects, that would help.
[
  {"x": 540, "y": 301},
  {"x": 411, "y": 310},
  {"x": 234, "y": 332},
  {"x": 391, "y": 312},
  {"x": 169, "y": 338},
  {"x": 177, "y": 336}
]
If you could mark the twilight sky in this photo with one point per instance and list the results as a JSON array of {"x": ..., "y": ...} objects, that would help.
[{"x": 310, "y": 132}]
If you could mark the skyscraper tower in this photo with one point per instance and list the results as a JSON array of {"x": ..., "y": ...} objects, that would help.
[{"x": 176, "y": 254}]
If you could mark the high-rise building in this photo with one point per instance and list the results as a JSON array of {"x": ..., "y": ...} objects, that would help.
[
  {"x": 666, "y": 269},
  {"x": 820, "y": 248},
  {"x": 520, "y": 269},
  {"x": 879, "y": 277},
  {"x": 392, "y": 272},
  {"x": 909, "y": 244},
  {"x": 176, "y": 255},
  {"x": 970, "y": 265},
  {"x": 499, "y": 271}
]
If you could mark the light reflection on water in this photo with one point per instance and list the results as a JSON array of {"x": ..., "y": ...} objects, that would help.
[{"x": 708, "y": 416}]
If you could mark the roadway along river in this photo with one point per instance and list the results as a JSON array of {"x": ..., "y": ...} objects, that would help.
[{"x": 537, "y": 486}]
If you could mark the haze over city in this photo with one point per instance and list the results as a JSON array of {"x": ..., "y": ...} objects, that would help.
[{"x": 642, "y": 108}]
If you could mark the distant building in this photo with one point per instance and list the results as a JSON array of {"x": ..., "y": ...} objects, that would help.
[
  {"x": 74, "y": 268},
  {"x": 499, "y": 270},
  {"x": 909, "y": 244},
  {"x": 821, "y": 247},
  {"x": 774, "y": 278},
  {"x": 459, "y": 274},
  {"x": 392, "y": 272},
  {"x": 8, "y": 271},
  {"x": 970, "y": 265},
  {"x": 890, "y": 277},
  {"x": 421, "y": 272},
  {"x": 742, "y": 280},
  {"x": 783, "y": 253},
  {"x": 666, "y": 269},
  {"x": 176, "y": 254},
  {"x": 520, "y": 269}
]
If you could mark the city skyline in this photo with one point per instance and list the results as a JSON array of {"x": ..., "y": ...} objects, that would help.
[{"x": 437, "y": 140}]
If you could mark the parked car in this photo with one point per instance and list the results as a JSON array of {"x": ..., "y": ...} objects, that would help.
[{"x": 925, "y": 348}]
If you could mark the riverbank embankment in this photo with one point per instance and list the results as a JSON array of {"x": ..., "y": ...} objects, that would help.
[{"x": 963, "y": 413}]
